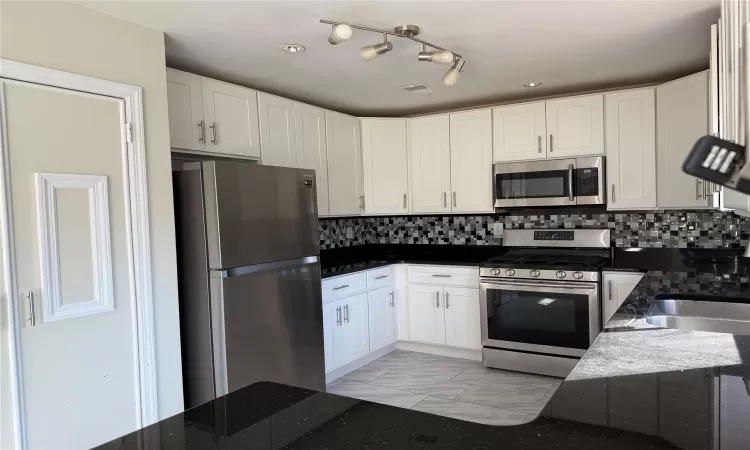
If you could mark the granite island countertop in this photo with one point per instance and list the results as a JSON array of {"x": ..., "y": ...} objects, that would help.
[{"x": 638, "y": 386}]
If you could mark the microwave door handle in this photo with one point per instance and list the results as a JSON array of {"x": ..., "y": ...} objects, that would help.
[{"x": 571, "y": 171}]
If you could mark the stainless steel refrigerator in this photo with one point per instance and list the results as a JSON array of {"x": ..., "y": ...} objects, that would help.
[{"x": 249, "y": 277}]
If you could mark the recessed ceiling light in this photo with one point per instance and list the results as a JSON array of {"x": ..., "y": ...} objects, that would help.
[
  {"x": 533, "y": 84},
  {"x": 293, "y": 48}
]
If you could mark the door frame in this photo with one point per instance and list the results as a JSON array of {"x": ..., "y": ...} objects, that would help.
[{"x": 136, "y": 202}]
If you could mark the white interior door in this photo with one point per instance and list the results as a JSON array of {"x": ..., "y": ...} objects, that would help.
[
  {"x": 519, "y": 132},
  {"x": 471, "y": 161},
  {"x": 462, "y": 317},
  {"x": 278, "y": 141},
  {"x": 426, "y": 314},
  {"x": 231, "y": 114},
  {"x": 385, "y": 163},
  {"x": 344, "y": 153},
  {"x": 430, "y": 164},
  {"x": 71, "y": 245},
  {"x": 575, "y": 126},
  {"x": 311, "y": 148},
  {"x": 631, "y": 149}
]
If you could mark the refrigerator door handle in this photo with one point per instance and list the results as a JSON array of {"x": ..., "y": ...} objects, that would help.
[{"x": 266, "y": 267}]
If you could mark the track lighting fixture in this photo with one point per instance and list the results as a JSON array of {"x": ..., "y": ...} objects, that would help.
[
  {"x": 451, "y": 76},
  {"x": 373, "y": 51},
  {"x": 439, "y": 55}
]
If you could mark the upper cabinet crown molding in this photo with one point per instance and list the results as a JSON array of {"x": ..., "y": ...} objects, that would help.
[
  {"x": 575, "y": 126},
  {"x": 385, "y": 162}
]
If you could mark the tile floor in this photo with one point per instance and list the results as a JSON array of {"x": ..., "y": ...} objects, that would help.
[{"x": 451, "y": 387}]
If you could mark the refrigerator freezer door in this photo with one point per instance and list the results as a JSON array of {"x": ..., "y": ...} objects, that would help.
[
  {"x": 257, "y": 214},
  {"x": 268, "y": 325}
]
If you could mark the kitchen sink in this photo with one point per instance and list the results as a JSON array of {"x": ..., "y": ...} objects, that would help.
[{"x": 722, "y": 316}]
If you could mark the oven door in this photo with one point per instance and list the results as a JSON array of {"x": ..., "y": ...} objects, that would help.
[
  {"x": 539, "y": 316},
  {"x": 540, "y": 183}
]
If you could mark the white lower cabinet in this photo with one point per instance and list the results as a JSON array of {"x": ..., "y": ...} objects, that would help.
[
  {"x": 345, "y": 331},
  {"x": 462, "y": 317},
  {"x": 617, "y": 287},
  {"x": 426, "y": 315},
  {"x": 382, "y": 316}
]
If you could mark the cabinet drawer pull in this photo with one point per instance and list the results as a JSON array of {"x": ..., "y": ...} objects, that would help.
[
  {"x": 340, "y": 287},
  {"x": 404, "y": 201},
  {"x": 445, "y": 199},
  {"x": 455, "y": 204},
  {"x": 437, "y": 299},
  {"x": 392, "y": 296},
  {"x": 440, "y": 275},
  {"x": 447, "y": 302},
  {"x": 539, "y": 143},
  {"x": 609, "y": 288},
  {"x": 551, "y": 149},
  {"x": 613, "y": 193},
  {"x": 381, "y": 277}
]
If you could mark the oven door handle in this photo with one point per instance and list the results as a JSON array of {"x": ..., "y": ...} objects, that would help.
[{"x": 559, "y": 285}]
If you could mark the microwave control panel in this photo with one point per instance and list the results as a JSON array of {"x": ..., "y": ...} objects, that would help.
[{"x": 587, "y": 181}]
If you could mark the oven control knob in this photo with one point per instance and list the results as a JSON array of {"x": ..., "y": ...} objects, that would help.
[
  {"x": 510, "y": 272},
  {"x": 577, "y": 275},
  {"x": 495, "y": 271},
  {"x": 534, "y": 273},
  {"x": 560, "y": 274}
]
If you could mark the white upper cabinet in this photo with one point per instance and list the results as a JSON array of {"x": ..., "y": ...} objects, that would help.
[
  {"x": 385, "y": 159},
  {"x": 462, "y": 318},
  {"x": 345, "y": 187},
  {"x": 430, "y": 164},
  {"x": 519, "y": 132},
  {"x": 575, "y": 126},
  {"x": 682, "y": 118},
  {"x": 231, "y": 115},
  {"x": 278, "y": 141},
  {"x": 471, "y": 161},
  {"x": 186, "y": 125},
  {"x": 631, "y": 149},
  {"x": 311, "y": 148}
]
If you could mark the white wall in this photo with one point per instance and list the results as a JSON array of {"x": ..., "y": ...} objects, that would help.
[{"x": 73, "y": 38}]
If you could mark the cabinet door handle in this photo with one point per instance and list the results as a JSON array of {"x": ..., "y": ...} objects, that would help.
[
  {"x": 362, "y": 202},
  {"x": 346, "y": 313},
  {"x": 445, "y": 199},
  {"x": 447, "y": 301},
  {"x": 340, "y": 287},
  {"x": 551, "y": 149},
  {"x": 698, "y": 184},
  {"x": 609, "y": 289},
  {"x": 392, "y": 299},
  {"x": 215, "y": 139},
  {"x": 441, "y": 275},
  {"x": 455, "y": 204},
  {"x": 338, "y": 316},
  {"x": 381, "y": 277},
  {"x": 404, "y": 201},
  {"x": 202, "y": 126},
  {"x": 613, "y": 192},
  {"x": 437, "y": 299},
  {"x": 539, "y": 143},
  {"x": 32, "y": 308}
]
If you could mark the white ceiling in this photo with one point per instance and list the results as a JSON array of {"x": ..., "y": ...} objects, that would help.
[{"x": 570, "y": 46}]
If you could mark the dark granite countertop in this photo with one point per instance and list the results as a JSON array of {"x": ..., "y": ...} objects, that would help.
[{"x": 637, "y": 387}]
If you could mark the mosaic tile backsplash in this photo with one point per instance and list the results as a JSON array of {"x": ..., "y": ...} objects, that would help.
[{"x": 685, "y": 229}]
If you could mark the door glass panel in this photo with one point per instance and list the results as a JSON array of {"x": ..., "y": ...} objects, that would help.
[
  {"x": 543, "y": 318},
  {"x": 546, "y": 184}
]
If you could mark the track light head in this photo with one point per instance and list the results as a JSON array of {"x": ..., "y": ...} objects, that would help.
[
  {"x": 340, "y": 33},
  {"x": 451, "y": 76},
  {"x": 373, "y": 51},
  {"x": 438, "y": 57}
]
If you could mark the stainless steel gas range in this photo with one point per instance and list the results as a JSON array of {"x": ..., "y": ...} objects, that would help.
[{"x": 540, "y": 300}]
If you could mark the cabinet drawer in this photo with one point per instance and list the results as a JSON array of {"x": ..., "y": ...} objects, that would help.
[
  {"x": 379, "y": 277},
  {"x": 343, "y": 286},
  {"x": 444, "y": 275}
]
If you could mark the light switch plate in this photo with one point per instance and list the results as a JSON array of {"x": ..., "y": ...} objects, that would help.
[{"x": 497, "y": 229}]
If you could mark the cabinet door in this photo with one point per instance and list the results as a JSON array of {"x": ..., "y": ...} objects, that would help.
[
  {"x": 462, "y": 327},
  {"x": 278, "y": 140},
  {"x": 426, "y": 314},
  {"x": 471, "y": 161},
  {"x": 617, "y": 287},
  {"x": 311, "y": 148},
  {"x": 385, "y": 166},
  {"x": 681, "y": 118},
  {"x": 356, "y": 325},
  {"x": 430, "y": 164},
  {"x": 382, "y": 314},
  {"x": 231, "y": 114},
  {"x": 345, "y": 190},
  {"x": 575, "y": 126},
  {"x": 185, "y": 111},
  {"x": 519, "y": 132},
  {"x": 631, "y": 149},
  {"x": 333, "y": 335}
]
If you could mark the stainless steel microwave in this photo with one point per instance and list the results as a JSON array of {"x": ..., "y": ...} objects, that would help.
[{"x": 555, "y": 182}]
